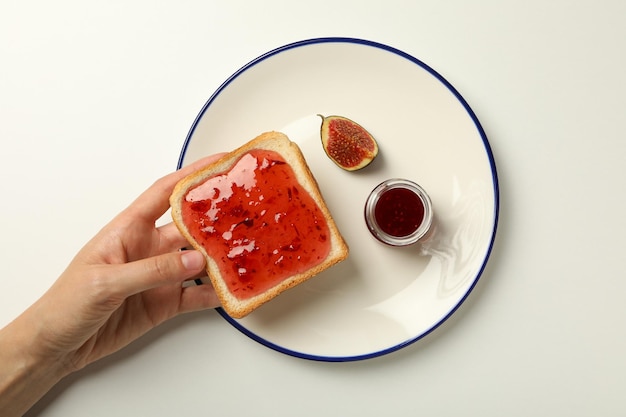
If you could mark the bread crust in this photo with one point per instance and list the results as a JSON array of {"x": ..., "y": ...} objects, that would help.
[{"x": 278, "y": 142}]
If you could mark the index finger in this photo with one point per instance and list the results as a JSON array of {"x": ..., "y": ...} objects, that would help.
[{"x": 153, "y": 202}]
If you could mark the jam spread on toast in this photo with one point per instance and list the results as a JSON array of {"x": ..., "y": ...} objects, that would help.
[{"x": 257, "y": 222}]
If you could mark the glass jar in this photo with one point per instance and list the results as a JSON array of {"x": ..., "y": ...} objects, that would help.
[{"x": 398, "y": 212}]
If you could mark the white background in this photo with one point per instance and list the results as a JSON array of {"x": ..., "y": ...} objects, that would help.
[{"x": 96, "y": 99}]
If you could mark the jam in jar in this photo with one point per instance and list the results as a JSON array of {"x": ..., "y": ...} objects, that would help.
[{"x": 398, "y": 212}]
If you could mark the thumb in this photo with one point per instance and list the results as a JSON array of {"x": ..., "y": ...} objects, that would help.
[{"x": 158, "y": 270}]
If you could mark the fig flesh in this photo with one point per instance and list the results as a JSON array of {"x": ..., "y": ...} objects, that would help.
[{"x": 347, "y": 143}]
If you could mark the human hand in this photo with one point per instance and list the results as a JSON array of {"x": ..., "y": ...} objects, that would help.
[{"x": 125, "y": 281}]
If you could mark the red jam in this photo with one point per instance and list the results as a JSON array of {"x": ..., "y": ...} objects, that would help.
[
  {"x": 399, "y": 212},
  {"x": 257, "y": 222}
]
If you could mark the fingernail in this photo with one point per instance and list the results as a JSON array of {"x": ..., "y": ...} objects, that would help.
[{"x": 192, "y": 260}]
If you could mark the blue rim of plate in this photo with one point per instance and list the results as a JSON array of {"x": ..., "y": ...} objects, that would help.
[{"x": 488, "y": 150}]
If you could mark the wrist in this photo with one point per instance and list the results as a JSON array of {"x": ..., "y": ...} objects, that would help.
[{"x": 27, "y": 372}]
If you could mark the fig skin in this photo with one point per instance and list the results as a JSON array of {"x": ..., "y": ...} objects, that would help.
[{"x": 348, "y": 144}]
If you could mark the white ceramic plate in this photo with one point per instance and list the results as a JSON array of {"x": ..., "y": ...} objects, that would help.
[{"x": 382, "y": 298}]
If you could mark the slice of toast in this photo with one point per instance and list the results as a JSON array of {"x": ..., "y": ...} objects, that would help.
[{"x": 259, "y": 218}]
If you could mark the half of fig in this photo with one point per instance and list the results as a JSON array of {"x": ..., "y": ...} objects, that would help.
[{"x": 347, "y": 143}]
